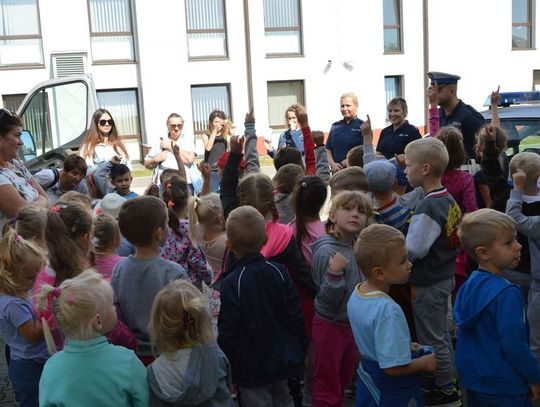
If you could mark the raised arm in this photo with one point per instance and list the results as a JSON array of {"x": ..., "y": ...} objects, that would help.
[
  {"x": 229, "y": 179},
  {"x": 495, "y": 122},
  {"x": 367, "y": 134},
  {"x": 309, "y": 146},
  {"x": 433, "y": 124},
  {"x": 250, "y": 144}
]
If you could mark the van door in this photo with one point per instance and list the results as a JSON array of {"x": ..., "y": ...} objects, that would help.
[{"x": 57, "y": 114}]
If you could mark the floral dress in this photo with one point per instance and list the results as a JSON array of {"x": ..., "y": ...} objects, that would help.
[{"x": 19, "y": 177}]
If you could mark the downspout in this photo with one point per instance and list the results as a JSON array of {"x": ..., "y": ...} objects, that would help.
[
  {"x": 249, "y": 70},
  {"x": 425, "y": 29}
]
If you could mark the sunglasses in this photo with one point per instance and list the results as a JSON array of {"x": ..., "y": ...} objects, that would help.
[
  {"x": 176, "y": 126},
  {"x": 109, "y": 122}
]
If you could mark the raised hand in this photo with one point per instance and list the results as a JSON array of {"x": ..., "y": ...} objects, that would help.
[
  {"x": 432, "y": 92},
  {"x": 237, "y": 144},
  {"x": 302, "y": 119},
  {"x": 490, "y": 133},
  {"x": 519, "y": 178},
  {"x": 116, "y": 160},
  {"x": 205, "y": 169},
  {"x": 250, "y": 118},
  {"x": 495, "y": 97},
  {"x": 367, "y": 132},
  {"x": 337, "y": 263}
]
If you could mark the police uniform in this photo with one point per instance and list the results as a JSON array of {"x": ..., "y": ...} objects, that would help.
[
  {"x": 464, "y": 117},
  {"x": 344, "y": 136},
  {"x": 392, "y": 142}
]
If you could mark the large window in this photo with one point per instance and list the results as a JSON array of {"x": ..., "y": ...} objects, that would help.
[
  {"x": 393, "y": 87},
  {"x": 12, "y": 102},
  {"x": 522, "y": 24},
  {"x": 281, "y": 95},
  {"x": 206, "y": 29},
  {"x": 282, "y": 27},
  {"x": 392, "y": 26},
  {"x": 20, "y": 34},
  {"x": 205, "y": 99},
  {"x": 111, "y": 30}
]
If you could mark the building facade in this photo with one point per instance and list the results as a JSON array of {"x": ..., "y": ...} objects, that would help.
[{"x": 151, "y": 58}]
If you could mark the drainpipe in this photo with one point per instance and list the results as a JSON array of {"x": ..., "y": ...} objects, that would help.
[
  {"x": 249, "y": 70},
  {"x": 425, "y": 29}
]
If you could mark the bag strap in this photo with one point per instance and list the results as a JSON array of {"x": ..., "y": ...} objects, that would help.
[{"x": 56, "y": 177}]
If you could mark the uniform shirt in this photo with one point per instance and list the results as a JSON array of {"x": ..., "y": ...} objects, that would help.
[
  {"x": 344, "y": 136},
  {"x": 466, "y": 119},
  {"x": 392, "y": 142}
]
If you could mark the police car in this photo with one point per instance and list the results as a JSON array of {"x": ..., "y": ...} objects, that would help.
[{"x": 519, "y": 114}]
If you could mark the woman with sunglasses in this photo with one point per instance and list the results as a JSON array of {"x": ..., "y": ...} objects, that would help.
[
  {"x": 18, "y": 188},
  {"x": 102, "y": 141}
]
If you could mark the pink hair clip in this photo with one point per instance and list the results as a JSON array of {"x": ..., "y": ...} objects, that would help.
[
  {"x": 56, "y": 292},
  {"x": 18, "y": 238},
  {"x": 57, "y": 208},
  {"x": 170, "y": 204}
]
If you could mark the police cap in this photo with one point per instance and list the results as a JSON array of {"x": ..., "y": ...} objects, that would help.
[{"x": 443, "y": 78}]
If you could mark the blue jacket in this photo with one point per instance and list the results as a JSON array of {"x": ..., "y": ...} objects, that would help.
[
  {"x": 493, "y": 354},
  {"x": 261, "y": 327},
  {"x": 295, "y": 140}
]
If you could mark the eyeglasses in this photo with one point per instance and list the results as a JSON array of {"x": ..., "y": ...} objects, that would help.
[
  {"x": 109, "y": 122},
  {"x": 176, "y": 126}
]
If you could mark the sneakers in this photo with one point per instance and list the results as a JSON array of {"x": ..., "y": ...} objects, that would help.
[{"x": 442, "y": 398}]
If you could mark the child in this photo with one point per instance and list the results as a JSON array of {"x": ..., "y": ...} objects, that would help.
[
  {"x": 137, "y": 279},
  {"x": 336, "y": 274},
  {"x": 119, "y": 176},
  {"x": 348, "y": 179},
  {"x": 178, "y": 246},
  {"x": 284, "y": 182},
  {"x": 493, "y": 358},
  {"x": 192, "y": 369},
  {"x": 20, "y": 261},
  {"x": 30, "y": 225},
  {"x": 379, "y": 326},
  {"x": 261, "y": 329},
  {"x": 432, "y": 248},
  {"x": 89, "y": 371},
  {"x": 355, "y": 157},
  {"x": 524, "y": 207},
  {"x": 105, "y": 241}
]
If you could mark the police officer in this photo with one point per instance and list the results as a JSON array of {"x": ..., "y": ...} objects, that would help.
[
  {"x": 344, "y": 134},
  {"x": 453, "y": 112}
]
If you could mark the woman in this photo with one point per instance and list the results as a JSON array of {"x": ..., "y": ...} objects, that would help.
[
  {"x": 102, "y": 141},
  {"x": 395, "y": 137},
  {"x": 18, "y": 188},
  {"x": 293, "y": 137},
  {"x": 215, "y": 144}
]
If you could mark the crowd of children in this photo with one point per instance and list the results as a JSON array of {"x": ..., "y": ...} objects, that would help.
[{"x": 257, "y": 295}]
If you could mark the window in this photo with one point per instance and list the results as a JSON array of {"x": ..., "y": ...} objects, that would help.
[
  {"x": 392, "y": 26},
  {"x": 12, "y": 102},
  {"x": 522, "y": 24},
  {"x": 536, "y": 79},
  {"x": 205, "y": 99},
  {"x": 111, "y": 32},
  {"x": 206, "y": 32},
  {"x": 282, "y": 27},
  {"x": 281, "y": 95},
  {"x": 20, "y": 33},
  {"x": 124, "y": 107},
  {"x": 393, "y": 87}
]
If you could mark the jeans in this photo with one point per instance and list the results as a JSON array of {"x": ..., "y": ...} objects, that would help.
[{"x": 25, "y": 375}]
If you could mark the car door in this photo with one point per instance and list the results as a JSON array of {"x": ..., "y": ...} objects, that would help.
[{"x": 56, "y": 115}]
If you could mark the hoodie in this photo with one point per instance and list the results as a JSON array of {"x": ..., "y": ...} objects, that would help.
[
  {"x": 197, "y": 376},
  {"x": 333, "y": 289},
  {"x": 493, "y": 354}
]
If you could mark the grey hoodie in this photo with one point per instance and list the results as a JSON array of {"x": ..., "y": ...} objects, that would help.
[
  {"x": 198, "y": 376},
  {"x": 333, "y": 289}
]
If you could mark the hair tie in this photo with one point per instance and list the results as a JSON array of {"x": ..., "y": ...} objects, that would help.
[
  {"x": 94, "y": 241},
  {"x": 188, "y": 321},
  {"x": 304, "y": 184},
  {"x": 197, "y": 202},
  {"x": 57, "y": 208},
  {"x": 18, "y": 238},
  {"x": 170, "y": 204},
  {"x": 56, "y": 292},
  {"x": 169, "y": 185}
]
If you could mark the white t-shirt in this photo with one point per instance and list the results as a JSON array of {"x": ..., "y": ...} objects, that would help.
[
  {"x": 105, "y": 152},
  {"x": 185, "y": 143}
]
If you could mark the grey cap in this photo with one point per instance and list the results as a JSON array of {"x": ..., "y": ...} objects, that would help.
[
  {"x": 381, "y": 175},
  {"x": 109, "y": 205}
]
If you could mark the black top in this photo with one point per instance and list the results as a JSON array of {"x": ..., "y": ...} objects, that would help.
[
  {"x": 212, "y": 156},
  {"x": 466, "y": 119},
  {"x": 392, "y": 142}
]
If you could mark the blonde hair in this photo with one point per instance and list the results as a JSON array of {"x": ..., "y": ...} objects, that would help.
[
  {"x": 500, "y": 138},
  {"x": 74, "y": 196},
  {"x": 76, "y": 302},
  {"x": 15, "y": 252},
  {"x": 375, "y": 245},
  {"x": 246, "y": 229},
  {"x": 429, "y": 150},
  {"x": 351, "y": 95},
  {"x": 203, "y": 211},
  {"x": 180, "y": 317},
  {"x": 30, "y": 223},
  {"x": 357, "y": 199},
  {"x": 480, "y": 228},
  {"x": 106, "y": 234},
  {"x": 257, "y": 190},
  {"x": 527, "y": 162}
]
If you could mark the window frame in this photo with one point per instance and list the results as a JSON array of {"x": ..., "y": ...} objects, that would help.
[
  {"x": 398, "y": 27},
  {"x": 283, "y": 126},
  {"x": 400, "y": 88},
  {"x": 300, "y": 29},
  {"x": 529, "y": 24},
  {"x": 139, "y": 110},
  {"x": 112, "y": 34},
  {"x": 227, "y": 86},
  {"x": 209, "y": 31},
  {"x": 38, "y": 36}
]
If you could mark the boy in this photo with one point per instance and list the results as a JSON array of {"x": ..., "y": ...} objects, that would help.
[
  {"x": 432, "y": 248},
  {"x": 493, "y": 357},
  {"x": 261, "y": 328},
  {"x": 57, "y": 182},
  {"x": 137, "y": 279},
  {"x": 524, "y": 207},
  {"x": 118, "y": 180},
  {"x": 348, "y": 179},
  {"x": 378, "y": 324}
]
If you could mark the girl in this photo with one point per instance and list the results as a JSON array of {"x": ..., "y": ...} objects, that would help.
[
  {"x": 67, "y": 235},
  {"x": 215, "y": 143},
  {"x": 112, "y": 375},
  {"x": 104, "y": 243},
  {"x": 336, "y": 275},
  {"x": 30, "y": 225},
  {"x": 191, "y": 370},
  {"x": 20, "y": 261},
  {"x": 102, "y": 141},
  {"x": 293, "y": 137},
  {"x": 284, "y": 182},
  {"x": 178, "y": 246}
]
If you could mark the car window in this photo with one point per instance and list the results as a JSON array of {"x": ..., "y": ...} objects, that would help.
[{"x": 522, "y": 134}]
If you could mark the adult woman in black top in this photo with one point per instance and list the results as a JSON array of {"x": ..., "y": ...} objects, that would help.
[{"x": 215, "y": 144}]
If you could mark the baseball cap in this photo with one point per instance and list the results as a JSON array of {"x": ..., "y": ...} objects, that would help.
[{"x": 381, "y": 175}]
